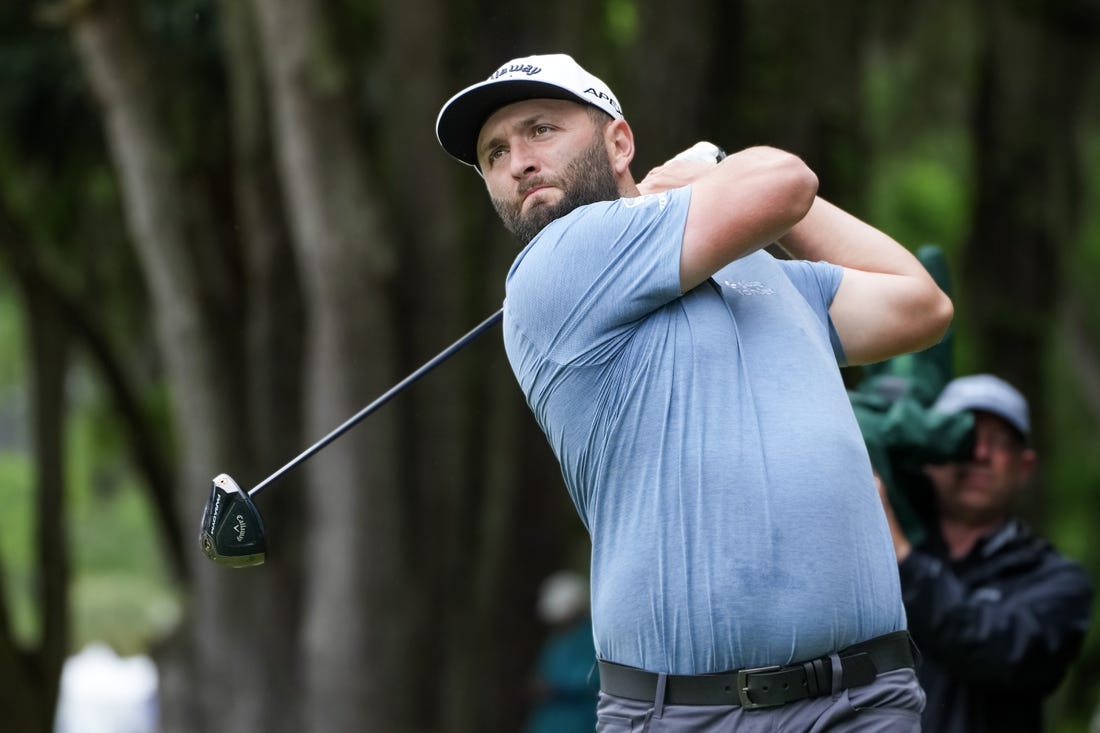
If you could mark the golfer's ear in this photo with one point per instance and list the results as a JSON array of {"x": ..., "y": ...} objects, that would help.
[{"x": 619, "y": 139}]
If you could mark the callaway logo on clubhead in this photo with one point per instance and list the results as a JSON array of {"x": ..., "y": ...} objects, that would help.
[
  {"x": 232, "y": 531},
  {"x": 241, "y": 527}
]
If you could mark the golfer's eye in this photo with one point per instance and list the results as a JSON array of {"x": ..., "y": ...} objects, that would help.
[
  {"x": 542, "y": 130},
  {"x": 494, "y": 155}
]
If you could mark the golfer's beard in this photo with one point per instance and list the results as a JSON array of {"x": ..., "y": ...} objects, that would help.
[{"x": 588, "y": 179}]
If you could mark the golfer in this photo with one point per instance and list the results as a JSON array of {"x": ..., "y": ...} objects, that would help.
[{"x": 743, "y": 574}]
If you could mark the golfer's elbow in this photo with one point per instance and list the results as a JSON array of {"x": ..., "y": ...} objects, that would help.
[
  {"x": 800, "y": 185},
  {"x": 905, "y": 326},
  {"x": 937, "y": 311},
  {"x": 911, "y": 316}
]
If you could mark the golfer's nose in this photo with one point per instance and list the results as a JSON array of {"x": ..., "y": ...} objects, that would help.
[{"x": 522, "y": 160}]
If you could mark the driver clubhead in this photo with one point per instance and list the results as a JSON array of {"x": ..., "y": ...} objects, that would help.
[{"x": 232, "y": 531}]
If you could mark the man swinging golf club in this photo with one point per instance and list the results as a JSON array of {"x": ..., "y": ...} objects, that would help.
[{"x": 743, "y": 575}]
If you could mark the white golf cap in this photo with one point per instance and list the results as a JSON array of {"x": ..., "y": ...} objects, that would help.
[
  {"x": 554, "y": 76},
  {"x": 987, "y": 393}
]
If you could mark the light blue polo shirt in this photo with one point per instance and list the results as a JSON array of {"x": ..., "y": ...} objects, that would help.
[{"x": 707, "y": 441}]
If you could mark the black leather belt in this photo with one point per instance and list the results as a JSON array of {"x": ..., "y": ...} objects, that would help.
[{"x": 765, "y": 686}]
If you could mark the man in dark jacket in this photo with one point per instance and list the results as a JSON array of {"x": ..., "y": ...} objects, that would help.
[{"x": 998, "y": 614}]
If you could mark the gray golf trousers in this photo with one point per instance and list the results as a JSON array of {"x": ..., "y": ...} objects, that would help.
[{"x": 891, "y": 704}]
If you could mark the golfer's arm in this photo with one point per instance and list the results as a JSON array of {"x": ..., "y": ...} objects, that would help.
[
  {"x": 742, "y": 204},
  {"x": 887, "y": 303}
]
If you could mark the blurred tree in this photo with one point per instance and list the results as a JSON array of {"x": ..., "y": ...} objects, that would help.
[
  {"x": 802, "y": 90},
  {"x": 32, "y": 672},
  {"x": 56, "y": 237},
  {"x": 190, "y": 267},
  {"x": 1029, "y": 107},
  {"x": 364, "y": 587}
]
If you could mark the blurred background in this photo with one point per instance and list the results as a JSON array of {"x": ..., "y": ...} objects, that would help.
[{"x": 226, "y": 225}]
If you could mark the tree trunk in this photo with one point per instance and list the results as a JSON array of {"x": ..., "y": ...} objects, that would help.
[
  {"x": 49, "y": 347},
  {"x": 809, "y": 99},
  {"x": 667, "y": 78},
  {"x": 214, "y": 674},
  {"x": 357, "y": 592},
  {"x": 1029, "y": 204},
  {"x": 31, "y": 676},
  {"x": 438, "y": 465},
  {"x": 273, "y": 361}
]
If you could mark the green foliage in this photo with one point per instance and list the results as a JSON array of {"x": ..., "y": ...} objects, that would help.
[
  {"x": 188, "y": 34},
  {"x": 55, "y": 176},
  {"x": 43, "y": 94},
  {"x": 921, "y": 194},
  {"x": 1084, "y": 267},
  {"x": 622, "y": 22},
  {"x": 1073, "y": 463},
  {"x": 16, "y": 518},
  {"x": 126, "y": 611},
  {"x": 1070, "y": 468},
  {"x": 916, "y": 90},
  {"x": 11, "y": 333},
  {"x": 58, "y": 182},
  {"x": 16, "y": 536},
  {"x": 924, "y": 197},
  {"x": 121, "y": 592}
]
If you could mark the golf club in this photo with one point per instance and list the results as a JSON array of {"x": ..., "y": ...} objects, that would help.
[{"x": 232, "y": 532}]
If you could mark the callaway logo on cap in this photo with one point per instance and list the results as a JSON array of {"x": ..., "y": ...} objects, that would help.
[{"x": 554, "y": 76}]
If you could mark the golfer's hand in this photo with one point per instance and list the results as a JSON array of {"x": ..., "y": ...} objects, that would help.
[
  {"x": 673, "y": 174},
  {"x": 682, "y": 169}
]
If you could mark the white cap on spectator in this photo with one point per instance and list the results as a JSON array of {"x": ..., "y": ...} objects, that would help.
[{"x": 987, "y": 393}]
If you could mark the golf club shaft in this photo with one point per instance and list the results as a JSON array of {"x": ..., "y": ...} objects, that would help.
[
  {"x": 383, "y": 399},
  {"x": 700, "y": 151}
]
